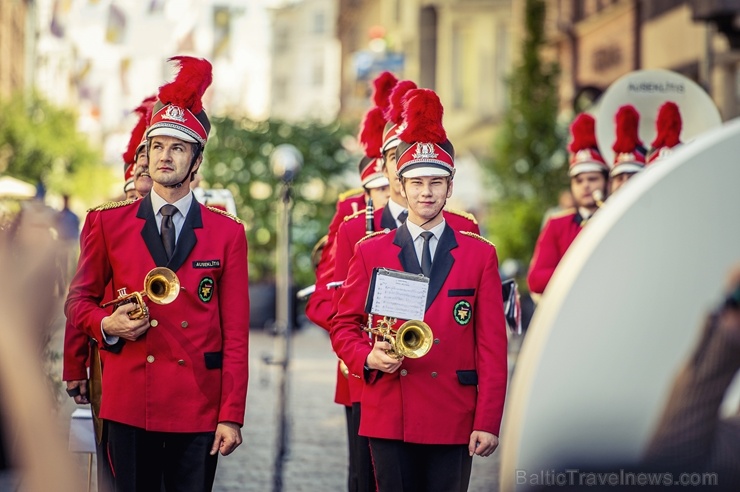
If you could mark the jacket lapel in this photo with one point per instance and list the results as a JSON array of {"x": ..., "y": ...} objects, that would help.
[
  {"x": 150, "y": 233},
  {"x": 407, "y": 255},
  {"x": 186, "y": 241},
  {"x": 387, "y": 221},
  {"x": 441, "y": 264}
]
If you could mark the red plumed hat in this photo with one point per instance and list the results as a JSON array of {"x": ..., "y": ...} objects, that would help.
[
  {"x": 137, "y": 134},
  {"x": 179, "y": 111},
  {"x": 668, "y": 126},
  {"x": 585, "y": 155},
  {"x": 371, "y": 132},
  {"x": 382, "y": 87},
  {"x": 629, "y": 153},
  {"x": 394, "y": 113},
  {"x": 424, "y": 149}
]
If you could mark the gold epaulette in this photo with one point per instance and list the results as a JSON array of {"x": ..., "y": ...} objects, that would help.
[
  {"x": 111, "y": 205},
  {"x": 467, "y": 215},
  {"x": 373, "y": 234},
  {"x": 563, "y": 213},
  {"x": 225, "y": 213},
  {"x": 476, "y": 236},
  {"x": 346, "y": 194},
  {"x": 356, "y": 214}
]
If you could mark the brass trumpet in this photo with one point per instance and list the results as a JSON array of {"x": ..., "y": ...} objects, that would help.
[
  {"x": 413, "y": 339},
  {"x": 161, "y": 286}
]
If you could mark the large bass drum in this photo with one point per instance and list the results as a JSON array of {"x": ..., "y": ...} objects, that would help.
[{"x": 623, "y": 311}]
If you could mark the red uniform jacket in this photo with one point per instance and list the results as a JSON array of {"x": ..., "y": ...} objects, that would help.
[
  {"x": 189, "y": 371},
  {"x": 76, "y": 357},
  {"x": 350, "y": 232},
  {"x": 318, "y": 306},
  {"x": 555, "y": 239},
  {"x": 460, "y": 385}
]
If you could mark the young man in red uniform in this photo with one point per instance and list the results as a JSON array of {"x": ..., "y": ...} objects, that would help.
[
  {"x": 629, "y": 153},
  {"x": 352, "y": 230},
  {"x": 588, "y": 178},
  {"x": 176, "y": 382},
  {"x": 425, "y": 418}
]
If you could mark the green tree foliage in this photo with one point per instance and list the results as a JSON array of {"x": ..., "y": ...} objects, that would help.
[
  {"x": 528, "y": 157},
  {"x": 237, "y": 158},
  {"x": 39, "y": 141}
]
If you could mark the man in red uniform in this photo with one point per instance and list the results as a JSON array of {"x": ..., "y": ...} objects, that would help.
[
  {"x": 629, "y": 153},
  {"x": 588, "y": 176},
  {"x": 425, "y": 418},
  {"x": 176, "y": 379}
]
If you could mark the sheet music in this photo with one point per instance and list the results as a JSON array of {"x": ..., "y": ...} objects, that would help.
[{"x": 399, "y": 294}]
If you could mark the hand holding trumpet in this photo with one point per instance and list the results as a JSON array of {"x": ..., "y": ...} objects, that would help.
[
  {"x": 380, "y": 360},
  {"x": 119, "y": 324}
]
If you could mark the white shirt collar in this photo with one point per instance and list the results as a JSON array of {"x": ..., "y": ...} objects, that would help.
[
  {"x": 183, "y": 204},
  {"x": 415, "y": 230},
  {"x": 395, "y": 209}
]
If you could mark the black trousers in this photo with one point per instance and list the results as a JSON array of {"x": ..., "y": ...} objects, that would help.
[
  {"x": 407, "y": 467},
  {"x": 105, "y": 475},
  {"x": 147, "y": 461},
  {"x": 361, "y": 461}
]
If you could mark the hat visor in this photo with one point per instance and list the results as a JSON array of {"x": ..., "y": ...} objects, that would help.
[
  {"x": 587, "y": 167},
  {"x": 391, "y": 143},
  {"x": 378, "y": 182},
  {"x": 420, "y": 171},
  {"x": 626, "y": 167},
  {"x": 165, "y": 131}
]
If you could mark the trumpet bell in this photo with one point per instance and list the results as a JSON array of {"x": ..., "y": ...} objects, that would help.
[
  {"x": 413, "y": 339},
  {"x": 161, "y": 285}
]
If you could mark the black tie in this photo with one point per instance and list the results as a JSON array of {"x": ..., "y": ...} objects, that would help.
[
  {"x": 403, "y": 216},
  {"x": 168, "y": 229},
  {"x": 426, "y": 254}
]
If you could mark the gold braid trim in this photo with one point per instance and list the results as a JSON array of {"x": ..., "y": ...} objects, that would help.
[
  {"x": 346, "y": 194},
  {"x": 226, "y": 214},
  {"x": 354, "y": 215},
  {"x": 111, "y": 205},
  {"x": 476, "y": 236},
  {"x": 466, "y": 215},
  {"x": 373, "y": 234}
]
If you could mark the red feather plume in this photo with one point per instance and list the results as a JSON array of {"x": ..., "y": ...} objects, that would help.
[
  {"x": 371, "y": 132},
  {"x": 422, "y": 113},
  {"x": 583, "y": 130},
  {"x": 668, "y": 126},
  {"x": 627, "y": 120},
  {"x": 394, "y": 112},
  {"x": 137, "y": 134},
  {"x": 382, "y": 87},
  {"x": 192, "y": 80}
]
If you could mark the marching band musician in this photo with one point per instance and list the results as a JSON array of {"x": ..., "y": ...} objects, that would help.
[
  {"x": 175, "y": 380},
  {"x": 462, "y": 380},
  {"x": 354, "y": 229},
  {"x": 588, "y": 176},
  {"x": 629, "y": 153}
]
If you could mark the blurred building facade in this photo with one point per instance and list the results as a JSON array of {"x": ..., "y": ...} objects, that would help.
[
  {"x": 462, "y": 49},
  {"x": 598, "y": 41},
  {"x": 305, "y": 61},
  {"x": 15, "y": 34}
]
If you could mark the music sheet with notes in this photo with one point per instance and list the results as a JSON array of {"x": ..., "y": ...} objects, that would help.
[{"x": 397, "y": 294}]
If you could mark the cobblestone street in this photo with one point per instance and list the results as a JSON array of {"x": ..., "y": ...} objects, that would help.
[{"x": 317, "y": 444}]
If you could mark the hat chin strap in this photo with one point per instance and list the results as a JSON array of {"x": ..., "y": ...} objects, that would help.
[{"x": 190, "y": 174}]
